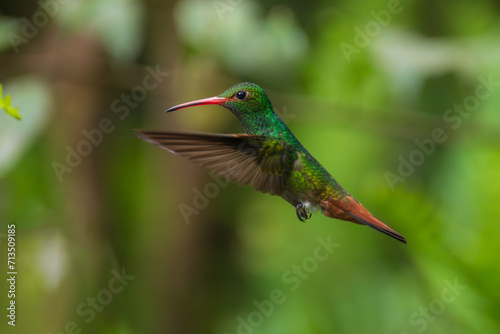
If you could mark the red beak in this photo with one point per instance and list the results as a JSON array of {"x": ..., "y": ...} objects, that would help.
[{"x": 210, "y": 100}]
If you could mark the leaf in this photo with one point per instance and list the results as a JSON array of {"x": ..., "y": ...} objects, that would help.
[
  {"x": 5, "y": 104},
  {"x": 9, "y": 109}
]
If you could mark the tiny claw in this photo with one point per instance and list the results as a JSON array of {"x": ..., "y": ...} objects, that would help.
[
  {"x": 302, "y": 213},
  {"x": 300, "y": 217}
]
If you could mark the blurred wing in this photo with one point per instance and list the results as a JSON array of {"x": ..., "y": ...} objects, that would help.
[{"x": 260, "y": 161}]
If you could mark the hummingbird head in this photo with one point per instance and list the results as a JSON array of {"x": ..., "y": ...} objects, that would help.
[{"x": 243, "y": 99}]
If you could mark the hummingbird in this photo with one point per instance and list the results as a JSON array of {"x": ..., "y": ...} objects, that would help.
[{"x": 267, "y": 157}]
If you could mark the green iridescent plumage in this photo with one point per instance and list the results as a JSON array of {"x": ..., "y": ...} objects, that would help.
[
  {"x": 308, "y": 179},
  {"x": 268, "y": 157}
]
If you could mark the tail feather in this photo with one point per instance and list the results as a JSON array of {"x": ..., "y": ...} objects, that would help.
[
  {"x": 349, "y": 209},
  {"x": 379, "y": 226}
]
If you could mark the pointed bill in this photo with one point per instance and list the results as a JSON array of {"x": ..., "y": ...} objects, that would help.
[{"x": 210, "y": 100}]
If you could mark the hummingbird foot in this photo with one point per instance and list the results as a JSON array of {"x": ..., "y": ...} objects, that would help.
[{"x": 302, "y": 213}]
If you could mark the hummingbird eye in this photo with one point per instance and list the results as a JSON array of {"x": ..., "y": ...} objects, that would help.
[{"x": 241, "y": 95}]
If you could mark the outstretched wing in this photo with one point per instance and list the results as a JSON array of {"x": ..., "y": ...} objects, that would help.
[{"x": 260, "y": 161}]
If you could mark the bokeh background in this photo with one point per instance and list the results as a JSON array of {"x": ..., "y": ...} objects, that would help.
[{"x": 116, "y": 237}]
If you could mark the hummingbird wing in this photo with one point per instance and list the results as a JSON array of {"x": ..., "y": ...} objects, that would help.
[{"x": 260, "y": 161}]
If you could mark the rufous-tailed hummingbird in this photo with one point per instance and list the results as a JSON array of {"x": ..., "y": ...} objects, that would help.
[{"x": 268, "y": 157}]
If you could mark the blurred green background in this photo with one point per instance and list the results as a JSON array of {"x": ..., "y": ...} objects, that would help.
[{"x": 102, "y": 245}]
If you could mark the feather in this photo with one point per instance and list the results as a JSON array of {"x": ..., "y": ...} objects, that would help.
[{"x": 260, "y": 161}]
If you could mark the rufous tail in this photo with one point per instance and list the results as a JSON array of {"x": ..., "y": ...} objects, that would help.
[{"x": 349, "y": 209}]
